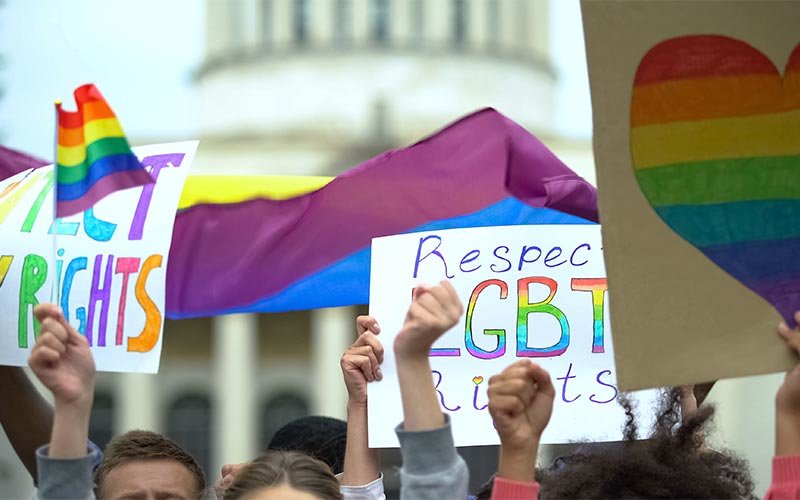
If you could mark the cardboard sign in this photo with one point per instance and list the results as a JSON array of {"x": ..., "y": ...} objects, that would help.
[
  {"x": 109, "y": 265},
  {"x": 696, "y": 111},
  {"x": 529, "y": 292}
]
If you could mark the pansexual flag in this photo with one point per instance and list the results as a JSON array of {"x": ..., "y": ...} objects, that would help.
[
  {"x": 299, "y": 243},
  {"x": 93, "y": 157}
]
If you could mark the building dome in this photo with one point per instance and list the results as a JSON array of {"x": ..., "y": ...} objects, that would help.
[{"x": 319, "y": 83}]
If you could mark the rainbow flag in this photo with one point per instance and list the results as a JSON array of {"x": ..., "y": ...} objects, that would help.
[
  {"x": 715, "y": 140},
  {"x": 93, "y": 157}
]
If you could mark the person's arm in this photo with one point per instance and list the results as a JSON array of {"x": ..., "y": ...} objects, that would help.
[
  {"x": 62, "y": 360},
  {"x": 432, "y": 469},
  {"x": 26, "y": 417},
  {"x": 520, "y": 403},
  {"x": 361, "y": 478},
  {"x": 786, "y": 463}
]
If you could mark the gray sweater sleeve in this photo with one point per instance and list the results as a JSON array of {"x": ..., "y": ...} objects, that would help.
[
  {"x": 61, "y": 478},
  {"x": 432, "y": 469}
]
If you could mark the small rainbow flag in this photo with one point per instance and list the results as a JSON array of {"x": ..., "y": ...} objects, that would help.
[{"x": 93, "y": 157}]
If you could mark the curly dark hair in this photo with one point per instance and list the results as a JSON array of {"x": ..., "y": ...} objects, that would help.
[{"x": 672, "y": 463}]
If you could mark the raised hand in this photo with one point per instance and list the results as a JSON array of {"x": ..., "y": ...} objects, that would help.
[
  {"x": 61, "y": 358},
  {"x": 433, "y": 311},
  {"x": 520, "y": 403},
  {"x": 63, "y": 361},
  {"x": 361, "y": 362},
  {"x": 787, "y": 400},
  {"x": 227, "y": 477}
]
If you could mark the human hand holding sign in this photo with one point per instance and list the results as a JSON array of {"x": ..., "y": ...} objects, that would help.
[
  {"x": 520, "y": 403},
  {"x": 62, "y": 360},
  {"x": 361, "y": 364},
  {"x": 787, "y": 399}
]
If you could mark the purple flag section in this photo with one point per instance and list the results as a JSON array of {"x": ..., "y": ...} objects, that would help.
[
  {"x": 13, "y": 162},
  {"x": 248, "y": 256}
]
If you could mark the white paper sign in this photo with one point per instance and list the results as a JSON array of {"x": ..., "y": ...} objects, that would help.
[
  {"x": 535, "y": 292},
  {"x": 111, "y": 264}
]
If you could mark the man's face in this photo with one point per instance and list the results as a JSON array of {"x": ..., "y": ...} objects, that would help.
[{"x": 149, "y": 480}]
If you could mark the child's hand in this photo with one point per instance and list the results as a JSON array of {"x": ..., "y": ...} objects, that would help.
[
  {"x": 433, "y": 311},
  {"x": 787, "y": 401},
  {"x": 361, "y": 362},
  {"x": 62, "y": 359},
  {"x": 520, "y": 403}
]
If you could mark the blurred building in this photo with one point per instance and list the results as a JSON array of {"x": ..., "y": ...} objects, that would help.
[{"x": 311, "y": 87}]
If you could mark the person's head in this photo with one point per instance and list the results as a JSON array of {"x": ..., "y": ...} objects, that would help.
[
  {"x": 672, "y": 463},
  {"x": 148, "y": 465},
  {"x": 323, "y": 438},
  {"x": 284, "y": 475}
]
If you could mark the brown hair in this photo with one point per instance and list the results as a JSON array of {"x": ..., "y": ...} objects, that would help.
[
  {"x": 297, "y": 470},
  {"x": 146, "y": 445}
]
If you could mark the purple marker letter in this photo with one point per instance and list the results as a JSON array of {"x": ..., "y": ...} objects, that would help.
[{"x": 156, "y": 163}]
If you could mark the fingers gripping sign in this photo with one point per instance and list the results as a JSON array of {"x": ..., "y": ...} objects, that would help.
[
  {"x": 788, "y": 397},
  {"x": 61, "y": 358},
  {"x": 361, "y": 362}
]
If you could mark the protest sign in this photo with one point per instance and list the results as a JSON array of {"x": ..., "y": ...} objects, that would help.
[
  {"x": 529, "y": 292},
  {"x": 110, "y": 265},
  {"x": 696, "y": 111}
]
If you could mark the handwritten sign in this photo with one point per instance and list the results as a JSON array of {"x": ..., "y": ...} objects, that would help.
[
  {"x": 110, "y": 265},
  {"x": 696, "y": 114},
  {"x": 535, "y": 292}
]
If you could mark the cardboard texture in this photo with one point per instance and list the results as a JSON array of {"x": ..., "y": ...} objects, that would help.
[{"x": 677, "y": 317}]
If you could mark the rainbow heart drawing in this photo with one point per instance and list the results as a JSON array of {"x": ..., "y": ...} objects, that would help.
[{"x": 715, "y": 141}]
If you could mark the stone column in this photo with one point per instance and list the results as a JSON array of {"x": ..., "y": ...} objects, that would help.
[
  {"x": 362, "y": 22},
  {"x": 321, "y": 22},
  {"x": 439, "y": 23},
  {"x": 282, "y": 22},
  {"x": 234, "y": 421},
  {"x": 332, "y": 331},
  {"x": 138, "y": 402},
  {"x": 477, "y": 23}
]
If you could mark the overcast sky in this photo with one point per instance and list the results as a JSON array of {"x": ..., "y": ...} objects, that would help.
[{"x": 141, "y": 54}]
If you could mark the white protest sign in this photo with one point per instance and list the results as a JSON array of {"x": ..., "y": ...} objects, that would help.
[
  {"x": 535, "y": 292},
  {"x": 110, "y": 268}
]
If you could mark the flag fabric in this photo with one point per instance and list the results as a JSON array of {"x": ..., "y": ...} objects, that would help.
[
  {"x": 13, "y": 162},
  {"x": 93, "y": 157},
  {"x": 276, "y": 253},
  {"x": 270, "y": 244}
]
